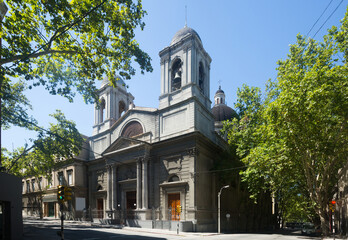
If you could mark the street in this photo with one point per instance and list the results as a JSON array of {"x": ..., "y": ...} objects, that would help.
[{"x": 47, "y": 229}]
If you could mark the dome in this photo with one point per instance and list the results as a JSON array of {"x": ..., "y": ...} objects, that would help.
[
  {"x": 119, "y": 83},
  {"x": 223, "y": 112},
  {"x": 219, "y": 91},
  {"x": 182, "y": 33}
]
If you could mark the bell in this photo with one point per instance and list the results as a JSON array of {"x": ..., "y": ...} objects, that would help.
[{"x": 177, "y": 76}]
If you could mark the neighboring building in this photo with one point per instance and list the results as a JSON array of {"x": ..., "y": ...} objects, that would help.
[
  {"x": 40, "y": 193},
  {"x": 11, "y": 224},
  {"x": 145, "y": 165}
]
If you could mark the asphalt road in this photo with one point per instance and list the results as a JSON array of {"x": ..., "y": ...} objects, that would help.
[{"x": 47, "y": 230}]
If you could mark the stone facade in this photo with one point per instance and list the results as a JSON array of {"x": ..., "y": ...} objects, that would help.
[{"x": 150, "y": 167}]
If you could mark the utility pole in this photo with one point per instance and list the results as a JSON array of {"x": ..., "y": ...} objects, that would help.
[
  {"x": 219, "y": 210},
  {"x": 61, "y": 220}
]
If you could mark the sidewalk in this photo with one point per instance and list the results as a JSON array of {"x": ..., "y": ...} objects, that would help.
[
  {"x": 53, "y": 223},
  {"x": 167, "y": 232}
]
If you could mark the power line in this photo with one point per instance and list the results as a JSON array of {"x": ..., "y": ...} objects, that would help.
[
  {"x": 328, "y": 18},
  {"x": 321, "y": 25},
  {"x": 319, "y": 17}
]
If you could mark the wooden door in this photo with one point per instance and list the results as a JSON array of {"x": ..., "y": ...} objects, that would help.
[
  {"x": 131, "y": 199},
  {"x": 100, "y": 207},
  {"x": 174, "y": 204}
]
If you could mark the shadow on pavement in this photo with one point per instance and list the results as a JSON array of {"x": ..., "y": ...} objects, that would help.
[{"x": 50, "y": 232}]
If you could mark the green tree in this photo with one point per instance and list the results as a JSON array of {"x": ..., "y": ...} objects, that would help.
[
  {"x": 60, "y": 143},
  {"x": 66, "y": 46},
  {"x": 296, "y": 144},
  {"x": 302, "y": 139},
  {"x": 242, "y": 132},
  {"x": 310, "y": 117},
  {"x": 52, "y": 148}
]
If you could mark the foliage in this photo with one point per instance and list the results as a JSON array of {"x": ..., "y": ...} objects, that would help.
[
  {"x": 296, "y": 143},
  {"x": 14, "y": 108},
  {"x": 62, "y": 142},
  {"x": 66, "y": 46},
  {"x": 300, "y": 144},
  {"x": 310, "y": 117},
  {"x": 241, "y": 132}
]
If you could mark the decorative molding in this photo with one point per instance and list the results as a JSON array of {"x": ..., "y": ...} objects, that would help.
[
  {"x": 129, "y": 173},
  {"x": 173, "y": 163},
  {"x": 139, "y": 159},
  {"x": 100, "y": 176},
  {"x": 163, "y": 61},
  {"x": 192, "y": 151}
]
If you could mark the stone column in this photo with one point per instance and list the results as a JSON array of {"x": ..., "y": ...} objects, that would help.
[
  {"x": 114, "y": 187},
  {"x": 139, "y": 183},
  {"x": 109, "y": 189},
  {"x": 90, "y": 186},
  {"x": 145, "y": 184}
]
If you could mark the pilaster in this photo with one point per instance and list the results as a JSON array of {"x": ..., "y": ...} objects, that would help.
[
  {"x": 114, "y": 187},
  {"x": 109, "y": 189},
  {"x": 145, "y": 182},
  {"x": 139, "y": 206}
]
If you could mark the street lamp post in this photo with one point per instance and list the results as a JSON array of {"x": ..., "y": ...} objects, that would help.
[{"x": 219, "y": 202}]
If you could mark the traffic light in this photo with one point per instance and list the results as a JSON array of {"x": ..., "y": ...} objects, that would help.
[
  {"x": 67, "y": 193},
  {"x": 178, "y": 209},
  {"x": 61, "y": 193},
  {"x": 332, "y": 205}
]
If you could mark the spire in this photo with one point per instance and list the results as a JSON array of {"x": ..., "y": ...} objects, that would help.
[{"x": 185, "y": 15}]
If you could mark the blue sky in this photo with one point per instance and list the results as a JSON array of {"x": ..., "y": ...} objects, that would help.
[{"x": 244, "y": 38}]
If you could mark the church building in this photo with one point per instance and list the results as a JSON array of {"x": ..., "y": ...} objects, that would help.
[
  {"x": 152, "y": 155},
  {"x": 151, "y": 167}
]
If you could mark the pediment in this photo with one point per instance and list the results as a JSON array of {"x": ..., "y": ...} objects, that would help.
[{"x": 122, "y": 143}]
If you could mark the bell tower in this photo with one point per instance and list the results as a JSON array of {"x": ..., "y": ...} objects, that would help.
[
  {"x": 114, "y": 102},
  {"x": 185, "y": 70},
  {"x": 184, "y": 104}
]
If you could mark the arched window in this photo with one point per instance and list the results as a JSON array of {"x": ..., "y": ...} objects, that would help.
[
  {"x": 174, "y": 178},
  {"x": 201, "y": 76},
  {"x": 102, "y": 110},
  {"x": 121, "y": 108},
  {"x": 133, "y": 128},
  {"x": 176, "y": 74}
]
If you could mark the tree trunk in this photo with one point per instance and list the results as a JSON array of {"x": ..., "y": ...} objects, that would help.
[{"x": 324, "y": 222}]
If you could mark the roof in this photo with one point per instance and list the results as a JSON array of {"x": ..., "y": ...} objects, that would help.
[
  {"x": 183, "y": 33},
  {"x": 219, "y": 90},
  {"x": 119, "y": 82},
  {"x": 223, "y": 112}
]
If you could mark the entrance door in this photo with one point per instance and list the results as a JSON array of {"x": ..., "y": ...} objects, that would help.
[
  {"x": 174, "y": 204},
  {"x": 100, "y": 207},
  {"x": 131, "y": 199},
  {"x": 50, "y": 209}
]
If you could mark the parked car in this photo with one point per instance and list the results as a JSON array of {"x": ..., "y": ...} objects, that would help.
[
  {"x": 310, "y": 229},
  {"x": 294, "y": 225}
]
